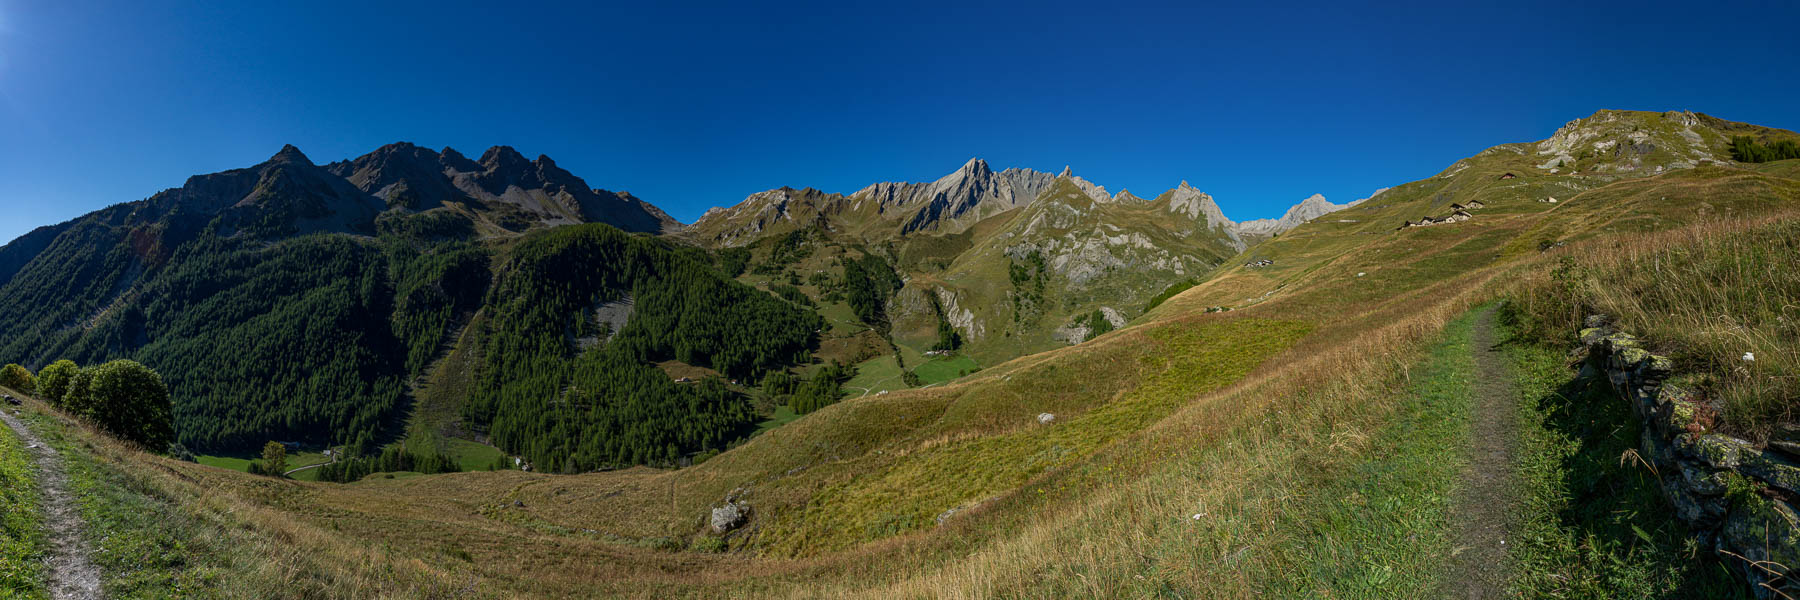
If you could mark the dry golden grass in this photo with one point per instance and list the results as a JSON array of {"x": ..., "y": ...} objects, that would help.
[
  {"x": 1711, "y": 295},
  {"x": 1112, "y": 518}
]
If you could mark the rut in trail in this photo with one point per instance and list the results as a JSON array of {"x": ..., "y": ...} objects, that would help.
[
  {"x": 72, "y": 575},
  {"x": 1479, "y": 567}
]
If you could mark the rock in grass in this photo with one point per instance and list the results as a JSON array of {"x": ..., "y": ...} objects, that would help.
[{"x": 729, "y": 517}]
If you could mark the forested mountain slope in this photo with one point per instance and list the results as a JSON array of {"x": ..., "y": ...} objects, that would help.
[{"x": 294, "y": 302}]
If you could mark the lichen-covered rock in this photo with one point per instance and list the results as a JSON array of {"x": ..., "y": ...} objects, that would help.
[
  {"x": 1718, "y": 451},
  {"x": 1728, "y": 491},
  {"x": 1701, "y": 480},
  {"x": 1773, "y": 469},
  {"x": 1762, "y": 533},
  {"x": 1699, "y": 512},
  {"x": 1593, "y": 335}
]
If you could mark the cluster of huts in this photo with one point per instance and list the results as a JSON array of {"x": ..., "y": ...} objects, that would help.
[
  {"x": 1458, "y": 214},
  {"x": 1257, "y": 264}
]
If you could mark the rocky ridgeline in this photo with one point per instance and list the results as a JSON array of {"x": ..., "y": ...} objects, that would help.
[{"x": 1736, "y": 498}]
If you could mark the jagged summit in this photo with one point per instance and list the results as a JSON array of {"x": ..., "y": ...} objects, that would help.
[
  {"x": 502, "y": 188},
  {"x": 503, "y": 157}
]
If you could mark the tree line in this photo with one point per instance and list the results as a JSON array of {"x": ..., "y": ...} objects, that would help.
[{"x": 1746, "y": 149}]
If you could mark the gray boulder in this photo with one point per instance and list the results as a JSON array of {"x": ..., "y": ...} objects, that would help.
[{"x": 729, "y": 517}]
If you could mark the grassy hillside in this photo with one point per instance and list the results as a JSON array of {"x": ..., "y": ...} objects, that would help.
[{"x": 1302, "y": 444}]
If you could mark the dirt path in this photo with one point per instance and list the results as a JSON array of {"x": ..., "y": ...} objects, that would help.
[
  {"x": 291, "y": 472},
  {"x": 1478, "y": 562},
  {"x": 72, "y": 575}
]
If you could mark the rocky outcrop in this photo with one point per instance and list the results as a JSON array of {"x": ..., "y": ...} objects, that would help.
[
  {"x": 1628, "y": 141},
  {"x": 1738, "y": 499},
  {"x": 1199, "y": 207}
]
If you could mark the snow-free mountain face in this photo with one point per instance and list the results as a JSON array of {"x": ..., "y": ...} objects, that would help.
[
  {"x": 1007, "y": 258},
  {"x": 1312, "y": 207},
  {"x": 502, "y": 189},
  {"x": 882, "y": 211},
  {"x": 949, "y": 205}
]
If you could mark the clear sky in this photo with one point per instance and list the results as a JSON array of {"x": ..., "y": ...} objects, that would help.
[{"x": 695, "y": 104}]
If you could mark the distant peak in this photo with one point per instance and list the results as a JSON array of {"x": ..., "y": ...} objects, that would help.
[
  {"x": 455, "y": 160},
  {"x": 1184, "y": 186},
  {"x": 290, "y": 154},
  {"x": 1065, "y": 172},
  {"x": 975, "y": 165},
  {"x": 501, "y": 155},
  {"x": 544, "y": 159}
]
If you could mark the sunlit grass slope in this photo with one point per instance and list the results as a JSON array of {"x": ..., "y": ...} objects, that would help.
[{"x": 1263, "y": 421}]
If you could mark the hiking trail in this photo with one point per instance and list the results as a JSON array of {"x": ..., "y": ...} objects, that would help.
[
  {"x": 72, "y": 575},
  {"x": 1484, "y": 502}
]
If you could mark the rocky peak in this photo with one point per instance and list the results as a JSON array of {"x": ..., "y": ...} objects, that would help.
[
  {"x": 290, "y": 155},
  {"x": 1125, "y": 196},
  {"x": 455, "y": 161},
  {"x": 976, "y": 171},
  {"x": 505, "y": 158},
  {"x": 1200, "y": 207}
]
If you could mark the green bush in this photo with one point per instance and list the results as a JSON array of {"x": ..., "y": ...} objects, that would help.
[
  {"x": 127, "y": 400},
  {"x": 16, "y": 377},
  {"x": 53, "y": 381}
]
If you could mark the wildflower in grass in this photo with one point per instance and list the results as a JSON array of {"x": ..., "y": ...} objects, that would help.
[{"x": 1749, "y": 357}]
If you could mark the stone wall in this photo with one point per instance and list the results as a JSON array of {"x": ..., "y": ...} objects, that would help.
[{"x": 1736, "y": 497}]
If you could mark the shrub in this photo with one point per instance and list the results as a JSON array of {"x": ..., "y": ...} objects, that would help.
[
  {"x": 126, "y": 399},
  {"x": 53, "y": 381},
  {"x": 16, "y": 377},
  {"x": 274, "y": 459}
]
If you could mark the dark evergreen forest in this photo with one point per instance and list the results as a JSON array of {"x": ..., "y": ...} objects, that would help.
[{"x": 569, "y": 410}]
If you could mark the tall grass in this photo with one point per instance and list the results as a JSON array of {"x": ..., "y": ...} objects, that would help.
[{"x": 1722, "y": 298}]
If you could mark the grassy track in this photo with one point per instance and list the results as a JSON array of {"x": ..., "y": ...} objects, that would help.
[
  {"x": 144, "y": 546},
  {"x": 21, "y": 535},
  {"x": 1382, "y": 529}
]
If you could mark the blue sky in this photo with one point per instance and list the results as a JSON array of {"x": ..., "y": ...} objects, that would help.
[{"x": 695, "y": 104}]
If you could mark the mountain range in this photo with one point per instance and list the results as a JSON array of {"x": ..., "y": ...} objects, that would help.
[{"x": 367, "y": 271}]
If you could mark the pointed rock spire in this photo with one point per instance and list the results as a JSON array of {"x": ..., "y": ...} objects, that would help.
[{"x": 290, "y": 154}]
